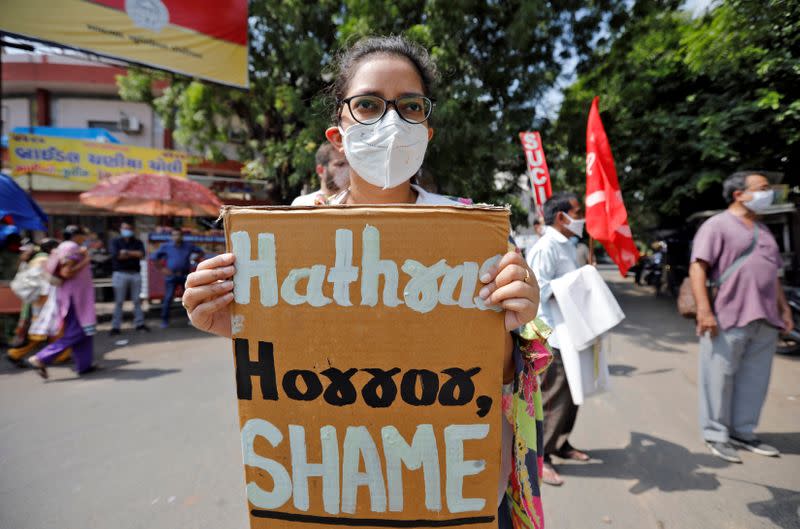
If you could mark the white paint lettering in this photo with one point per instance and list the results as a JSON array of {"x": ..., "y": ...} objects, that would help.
[
  {"x": 421, "y": 292},
  {"x": 328, "y": 469},
  {"x": 343, "y": 273},
  {"x": 313, "y": 295},
  {"x": 372, "y": 267},
  {"x": 458, "y": 468},
  {"x": 358, "y": 443},
  {"x": 422, "y": 453},
  {"x": 263, "y": 268},
  {"x": 282, "y": 488}
]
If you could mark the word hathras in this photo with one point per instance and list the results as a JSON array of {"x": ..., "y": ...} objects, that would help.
[{"x": 422, "y": 293}]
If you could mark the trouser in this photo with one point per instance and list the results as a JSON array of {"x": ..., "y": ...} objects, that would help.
[
  {"x": 170, "y": 284},
  {"x": 559, "y": 410},
  {"x": 735, "y": 367},
  {"x": 81, "y": 343},
  {"x": 124, "y": 282}
]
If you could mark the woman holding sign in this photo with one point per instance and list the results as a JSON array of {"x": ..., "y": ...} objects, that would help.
[{"x": 382, "y": 116}]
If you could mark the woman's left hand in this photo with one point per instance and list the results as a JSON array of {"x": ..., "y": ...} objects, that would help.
[{"x": 512, "y": 285}]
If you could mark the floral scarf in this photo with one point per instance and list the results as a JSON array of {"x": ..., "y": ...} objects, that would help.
[{"x": 523, "y": 409}]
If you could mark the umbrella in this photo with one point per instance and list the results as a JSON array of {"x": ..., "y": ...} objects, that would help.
[
  {"x": 16, "y": 203},
  {"x": 151, "y": 194}
]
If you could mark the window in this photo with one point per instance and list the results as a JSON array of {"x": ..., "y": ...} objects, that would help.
[{"x": 110, "y": 126}]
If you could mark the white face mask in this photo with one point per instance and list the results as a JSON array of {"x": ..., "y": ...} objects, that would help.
[
  {"x": 761, "y": 201},
  {"x": 575, "y": 225},
  {"x": 386, "y": 153}
]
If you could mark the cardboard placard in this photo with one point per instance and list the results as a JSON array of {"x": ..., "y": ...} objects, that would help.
[{"x": 368, "y": 370}]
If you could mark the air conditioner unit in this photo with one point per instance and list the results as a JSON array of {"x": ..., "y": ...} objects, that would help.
[{"x": 130, "y": 125}]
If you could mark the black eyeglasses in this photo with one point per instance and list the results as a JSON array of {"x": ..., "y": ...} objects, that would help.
[{"x": 370, "y": 109}]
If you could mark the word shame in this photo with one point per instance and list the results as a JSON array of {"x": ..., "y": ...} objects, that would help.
[
  {"x": 427, "y": 286},
  {"x": 342, "y": 476}
]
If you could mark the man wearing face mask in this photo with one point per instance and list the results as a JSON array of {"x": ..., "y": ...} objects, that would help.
[
  {"x": 738, "y": 328},
  {"x": 334, "y": 176},
  {"x": 554, "y": 256},
  {"x": 126, "y": 253}
]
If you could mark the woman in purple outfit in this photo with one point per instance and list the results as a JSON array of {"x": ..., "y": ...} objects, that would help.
[{"x": 75, "y": 304}]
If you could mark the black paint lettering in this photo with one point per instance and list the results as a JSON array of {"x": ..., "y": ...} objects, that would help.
[
  {"x": 484, "y": 405},
  {"x": 430, "y": 387},
  {"x": 263, "y": 368},
  {"x": 341, "y": 391},
  {"x": 461, "y": 382},
  {"x": 311, "y": 381},
  {"x": 380, "y": 380}
]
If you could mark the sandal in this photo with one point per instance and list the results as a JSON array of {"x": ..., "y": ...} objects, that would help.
[
  {"x": 574, "y": 454},
  {"x": 40, "y": 368},
  {"x": 550, "y": 476}
]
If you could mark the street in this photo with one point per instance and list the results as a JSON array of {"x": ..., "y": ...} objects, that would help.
[{"x": 151, "y": 440}]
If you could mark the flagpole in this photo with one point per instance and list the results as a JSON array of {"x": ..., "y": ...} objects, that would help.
[{"x": 591, "y": 251}]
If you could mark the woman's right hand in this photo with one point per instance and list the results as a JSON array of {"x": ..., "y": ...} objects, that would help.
[{"x": 208, "y": 295}]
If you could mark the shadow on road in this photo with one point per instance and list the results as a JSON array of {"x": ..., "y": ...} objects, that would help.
[
  {"x": 624, "y": 370},
  {"x": 654, "y": 463},
  {"x": 119, "y": 369},
  {"x": 786, "y": 442},
  {"x": 652, "y": 320},
  {"x": 104, "y": 344},
  {"x": 782, "y": 510}
]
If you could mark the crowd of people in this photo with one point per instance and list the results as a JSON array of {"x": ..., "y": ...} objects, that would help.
[{"x": 54, "y": 281}]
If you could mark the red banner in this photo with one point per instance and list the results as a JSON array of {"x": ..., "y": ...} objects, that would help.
[
  {"x": 537, "y": 166},
  {"x": 606, "y": 216}
]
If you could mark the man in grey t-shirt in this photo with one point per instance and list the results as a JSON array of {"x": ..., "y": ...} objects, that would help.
[{"x": 738, "y": 334}]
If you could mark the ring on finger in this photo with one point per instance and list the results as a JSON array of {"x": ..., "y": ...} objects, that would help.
[{"x": 527, "y": 276}]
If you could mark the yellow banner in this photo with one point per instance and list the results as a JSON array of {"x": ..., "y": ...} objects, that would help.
[
  {"x": 205, "y": 40},
  {"x": 84, "y": 163}
]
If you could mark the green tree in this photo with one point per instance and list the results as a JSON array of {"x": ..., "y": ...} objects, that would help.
[
  {"x": 685, "y": 102},
  {"x": 496, "y": 60}
]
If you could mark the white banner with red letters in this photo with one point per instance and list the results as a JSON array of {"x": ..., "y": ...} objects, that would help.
[{"x": 537, "y": 166}]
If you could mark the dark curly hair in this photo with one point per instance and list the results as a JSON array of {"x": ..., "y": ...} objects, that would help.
[{"x": 396, "y": 46}]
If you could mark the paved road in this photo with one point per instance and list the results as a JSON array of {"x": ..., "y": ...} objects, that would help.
[{"x": 151, "y": 441}]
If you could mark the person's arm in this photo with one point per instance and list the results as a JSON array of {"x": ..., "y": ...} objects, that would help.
[
  {"x": 70, "y": 267},
  {"x": 698, "y": 277},
  {"x": 116, "y": 251},
  {"x": 784, "y": 308},
  {"x": 706, "y": 249},
  {"x": 511, "y": 284},
  {"x": 157, "y": 257},
  {"x": 138, "y": 253}
]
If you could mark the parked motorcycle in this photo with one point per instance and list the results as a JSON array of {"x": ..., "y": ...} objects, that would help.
[{"x": 789, "y": 343}]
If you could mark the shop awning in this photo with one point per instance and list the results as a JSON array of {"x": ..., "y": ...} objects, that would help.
[{"x": 73, "y": 133}]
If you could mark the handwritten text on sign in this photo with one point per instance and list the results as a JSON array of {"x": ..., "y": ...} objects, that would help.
[{"x": 367, "y": 368}]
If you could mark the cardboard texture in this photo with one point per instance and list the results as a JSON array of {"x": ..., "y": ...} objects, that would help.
[{"x": 362, "y": 402}]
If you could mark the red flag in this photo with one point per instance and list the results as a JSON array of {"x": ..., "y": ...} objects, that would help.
[{"x": 606, "y": 216}]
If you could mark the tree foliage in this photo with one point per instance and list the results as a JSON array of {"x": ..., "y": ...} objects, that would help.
[
  {"x": 496, "y": 60},
  {"x": 687, "y": 101}
]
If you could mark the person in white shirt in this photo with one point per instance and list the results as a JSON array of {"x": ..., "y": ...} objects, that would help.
[
  {"x": 551, "y": 257},
  {"x": 334, "y": 176}
]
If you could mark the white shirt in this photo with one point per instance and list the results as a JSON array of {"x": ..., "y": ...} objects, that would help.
[
  {"x": 423, "y": 198},
  {"x": 309, "y": 199},
  {"x": 551, "y": 257}
]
